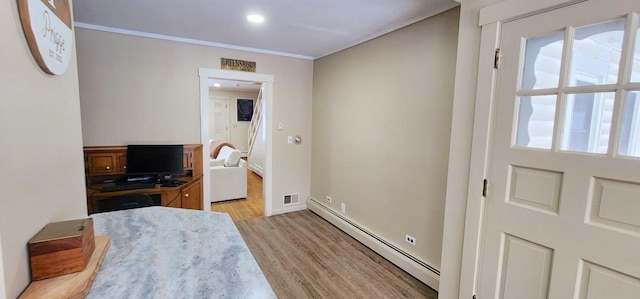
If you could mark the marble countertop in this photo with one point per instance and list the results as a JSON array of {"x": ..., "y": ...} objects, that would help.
[{"x": 160, "y": 252}]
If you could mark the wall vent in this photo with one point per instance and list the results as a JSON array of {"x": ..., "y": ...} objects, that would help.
[{"x": 291, "y": 198}]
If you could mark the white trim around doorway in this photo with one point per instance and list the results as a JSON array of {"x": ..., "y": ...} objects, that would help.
[{"x": 204, "y": 75}]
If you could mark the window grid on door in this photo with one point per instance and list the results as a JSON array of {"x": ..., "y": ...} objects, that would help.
[{"x": 579, "y": 89}]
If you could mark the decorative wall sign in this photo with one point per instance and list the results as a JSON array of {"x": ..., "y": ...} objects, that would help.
[
  {"x": 48, "y": 27},
  {"x": 237, "y": 65},
  {"x": 245, "y": 109}
]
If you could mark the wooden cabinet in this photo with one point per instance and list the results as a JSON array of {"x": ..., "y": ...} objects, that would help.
[
  {"x": 187, "y": 160},
  {"x": 192, "y": 195},
  {"x": 112, "y": 160},
  {"x": 103, "y": 163},
  {"x": 122, "y": 162},
  {"x": 172, "y": 198},
  {"x": 177, "y": 203}
]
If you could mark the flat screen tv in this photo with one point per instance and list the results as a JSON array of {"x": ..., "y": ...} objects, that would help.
[{"x": 157, "y": 160}]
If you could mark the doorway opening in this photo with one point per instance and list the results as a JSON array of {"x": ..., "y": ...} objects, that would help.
[
  {"x": 266, "y": 81},
  {"x": 232, "y": 106},
  {"x": 245, "y": 208}
]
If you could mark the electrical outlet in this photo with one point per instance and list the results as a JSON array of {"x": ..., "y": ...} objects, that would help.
[
  {"x": 343, "y": 208},
  {"x": 329, "y": 199},
  {"x": 411, "y": 240}
]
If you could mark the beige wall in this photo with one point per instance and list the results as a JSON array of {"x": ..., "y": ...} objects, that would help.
[
  {"x": 381, "y": 129},
  {"x": 135, "y": 89},
  {"x": 41, "y": 142},
  {"x": 238, "y": 131}
]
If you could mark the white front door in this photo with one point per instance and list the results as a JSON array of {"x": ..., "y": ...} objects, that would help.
[
  {"x": 562, "y": 215},
  {"x": 219, "y": 120}
]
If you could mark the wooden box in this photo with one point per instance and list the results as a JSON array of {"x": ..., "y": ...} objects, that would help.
[{"x": 61, "y": 248}]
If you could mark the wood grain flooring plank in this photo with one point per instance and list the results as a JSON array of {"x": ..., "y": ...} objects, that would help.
[
  {"x": 304, "y": 256},
  {"x": 245, "y": 208}
]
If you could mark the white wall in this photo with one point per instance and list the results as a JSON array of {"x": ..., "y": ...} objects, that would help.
[
  {"x": 41, "y": 143},
  {"x": 381, "y": 130},
  {"x": 137, "y": 89}
]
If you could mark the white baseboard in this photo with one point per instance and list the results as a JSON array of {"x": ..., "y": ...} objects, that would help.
[
  {"x": 257, "y": 169},
  {"x": 418, "y": 269},
  {"x": 289, "y": 209}
]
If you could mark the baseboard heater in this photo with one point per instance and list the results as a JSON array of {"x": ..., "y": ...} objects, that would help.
[{"x": 409, "y": 263}]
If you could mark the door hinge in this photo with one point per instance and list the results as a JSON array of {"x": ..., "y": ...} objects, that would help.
[
  {"x": 496, "y": 59},
  {"x": 485, "y": 183}
]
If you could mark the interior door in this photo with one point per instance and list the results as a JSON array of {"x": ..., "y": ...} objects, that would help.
[
  {"x": 562, "y": 214},
  {"x": 219, "y": 119}
]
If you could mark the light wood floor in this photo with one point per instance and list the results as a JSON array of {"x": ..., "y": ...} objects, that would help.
[
  {"x": 304, "y": 256},
  {"x": 250, "y": 207}
]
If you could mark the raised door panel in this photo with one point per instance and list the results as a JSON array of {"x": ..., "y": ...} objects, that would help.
[
  {"x": 601, "y": 282},
  {"x": 519, "y": 254}
]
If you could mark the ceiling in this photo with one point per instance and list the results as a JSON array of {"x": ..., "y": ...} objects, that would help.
[
  {"x": 232, "y": 85},
  {"x": 307, "y": 29}
]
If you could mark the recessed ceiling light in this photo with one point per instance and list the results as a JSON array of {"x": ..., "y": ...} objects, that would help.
[
  {"x": 257, "y": 19},
  {"x": 216, "y": 85}
]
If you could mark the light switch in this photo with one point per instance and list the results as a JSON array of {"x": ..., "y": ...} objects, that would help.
[
  {"x": 290, "y": 139},
  {"x": 280, "y": 126}
]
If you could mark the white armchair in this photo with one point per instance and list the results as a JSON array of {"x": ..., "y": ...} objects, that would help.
[{"x": 228, "y": 175}]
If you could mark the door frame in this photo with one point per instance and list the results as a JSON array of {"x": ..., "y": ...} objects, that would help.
[
  {"x": 490, "y": 20},
  {"x": 205, "y": 74}
]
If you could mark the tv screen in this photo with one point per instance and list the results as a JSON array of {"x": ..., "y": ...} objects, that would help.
[{"x": 154, "y": 159}]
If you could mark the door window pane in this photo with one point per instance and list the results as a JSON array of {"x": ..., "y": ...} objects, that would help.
[
  {"x": 536, "y": 118},
  {"x": 543, "y": 56},
  {"x": 587, "y": 122},
  {"x": 630, "y": 130},
  {"x": 595, "y": 55},
  {"x": 635, "y": 71}
]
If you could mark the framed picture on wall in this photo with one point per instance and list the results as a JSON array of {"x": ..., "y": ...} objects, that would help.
[{"x": 244, "y": 108}]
